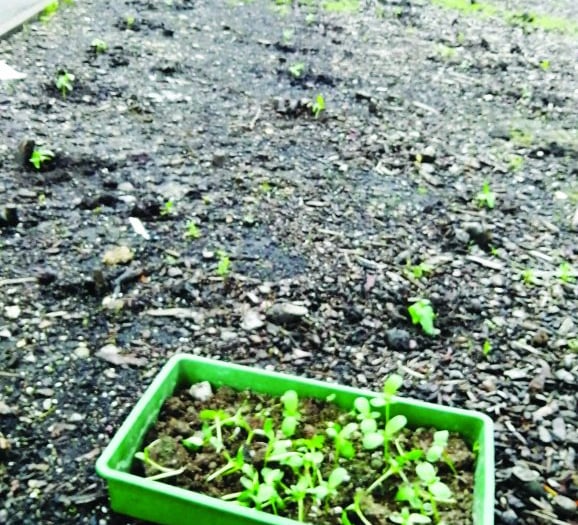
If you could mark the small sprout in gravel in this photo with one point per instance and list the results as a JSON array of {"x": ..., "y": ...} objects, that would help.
[
  {"x": 193, "y": 231},
  {"x": 544, "y": 65},
  {"x": 573, "y": 345},
  {"x": 99, "y": 46},
  {"x": 422, "y": 313},
  {"x": 419, "y": 270},
  {"x": 318, "y": 106},
  {"x": 297, "y": 69},
  {"x": 167, "y": 208},
  {"x": 223, "y": 264},
  {"x": 516, "y": 162},
  {"x": 40, "y": 156},
  {"x": 566, "y": 272},
  {"x": 64, "y": 83},
  {"x": 486, "y": 348},
  {"x": 486, "y": 198},
  {"x": 528, "y": 277}
]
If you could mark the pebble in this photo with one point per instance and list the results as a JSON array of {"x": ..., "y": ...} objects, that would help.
[
  {"x": 509, "y": 517},
  {"x": 565, "y": 507},
  {"x": 398, "y": 340},
  {"x": 286, "y": 313},
  {"x": 524, "y": 474},
  {"x": 201, "y": 391},
  {"x": 559, "y": 428},
  {"x": 544, "y": 434},
  {"x": 564, "y": 375},
  {"x": 567, "y": 326}
]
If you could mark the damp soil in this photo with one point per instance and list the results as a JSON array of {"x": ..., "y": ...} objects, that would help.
[
  {"x": 201, "y": 112},
  {"x": 182, "y": 417}
]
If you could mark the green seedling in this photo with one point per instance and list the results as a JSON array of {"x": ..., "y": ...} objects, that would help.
[
  {"x": 422, "y": 313},
  {"x": 516, "y": 162},
  {"x": 521, "y": 137},
  {"x": 193, "y": 231},
  {"x": 99, "y": 46},
  {"x": 49, "y": 11},
  {"x": 40, "y": 156},
  {"x": 291, "y": 415},
  {"x": 566, "y": 272},
  {"x": 223, "y": 264},
  {"x": 325, "y": 490},
  {"x": 573, "y": 345},
  {"x": 64, "y": 83},
  {"x": 528, "y": 277},
  {"x": 486, "y": 198},
  {"x": 318, "y": 106},
  {"x": 406, "y": 517},
  {"x": 168, "y": 208},
  {"x": 342, "y": 438},
  {"x": 164, "y": 472},
  {"x": 544, "y": 65},
  {"x": 419, "y": 270},
  {"x": 297, "y": 69},
  {"x": 486, "y": 348}
]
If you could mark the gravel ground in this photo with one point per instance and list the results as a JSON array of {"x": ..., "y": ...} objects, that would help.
[{"x": 275, "y": 186}]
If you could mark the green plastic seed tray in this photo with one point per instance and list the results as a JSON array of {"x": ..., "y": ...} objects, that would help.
[{"x": 162, "y": 503}]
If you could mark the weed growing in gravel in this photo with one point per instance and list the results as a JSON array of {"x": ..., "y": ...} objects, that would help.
[
  {"x": 486, "y": 197},
  {"x": 297, "y": 69},
  {"x": 51, "y": 9},
  {"x": 99, "y": 46},
  {"x": 528, "y": 277},
  {"x": 565, "y": 272},
  {"x": 318, "y": 106},
  {"x": 544, "y": 65},
  {"x": 515, "y": 163},
  {"x": 307, "y": 472},
  {"x": 419, "y": 270},
  {"x": 64, "y": 83},
  {"x": 223, "y": 264},
  {"x": 193, "y": 231},
  {"x": 40, "y": 156},
  {"x": 573, "y": 345},
  {"x": 521, "y": 137},
  {"x": 422, "y": 313},
  {"x": 168, "y": 208},
  {"x": 486, "y": 348}
]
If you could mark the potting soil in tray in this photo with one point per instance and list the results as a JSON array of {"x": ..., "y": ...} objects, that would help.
[{"x": 182, "y": 417}]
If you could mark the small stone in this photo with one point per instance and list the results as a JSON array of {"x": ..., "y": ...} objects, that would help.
[
  {"x": 12, "y": 312},
  {"x": 509, "y": 517},
  {"x": 525, "y": 474},
  {"x": 201, "y": 391},
  {"x": 540, "y": 339},
  {"x": 82, "y": 351},
  {"x": 252, "y": 321},
  {"x": 397, "y": 339},
  {"x": 218, "y": 160},
  {"x": 559, "y": 428},
  {"x": 286, "y": 313},
  {"x": 566, "y": 327},
  {"x": 118, "y": 255},
  {"x": 565, "y": 507},
  {"x": 24, "y": 152},
  {"x": 564, "y": 375},
  {"x": 9, "y": 216},
  {"x": 228, "y": 335},
  {"x": 544, "y": 435}
]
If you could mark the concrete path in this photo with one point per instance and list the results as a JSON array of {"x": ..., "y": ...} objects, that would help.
[{"x": 14, "y": 13}]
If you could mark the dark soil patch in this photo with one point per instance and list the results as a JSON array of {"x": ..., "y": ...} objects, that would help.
[
  {"x": 181, "y": 417},
  {"x": 345, "y": 219}
]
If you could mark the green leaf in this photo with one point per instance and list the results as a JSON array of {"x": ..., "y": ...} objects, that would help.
[
  {"x": 289, "y": 426},
  {"x": 392, "y": 384},
  {"x": 361, "y": 404},
  {"x": 346, "y": 449},
  {"x": 290, "y": 401},
  {"x": 422, "y": 313},
  {"x": 377, "y": 402},
  {"x": 337, "y": 477},
  {"x": 394, "y": 425},
  {"x": 434, "y": 453},
  {"x": 348, "y": 430},
  {"x": 426, "y": 472},
  {"x": 441, "y": 492},
  {"x": 372, "y": 441},
  {"x": 368, "y": 426}
]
